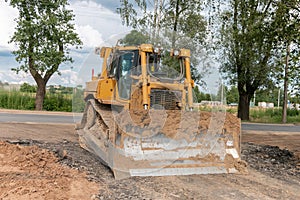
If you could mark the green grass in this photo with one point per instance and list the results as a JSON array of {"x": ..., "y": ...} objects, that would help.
[
  {"x": 273, "y": 115},
  {"x": 16, "y": 100},
  {"x": 52, "y": 102},
  {"x": 269, "y": 115}
]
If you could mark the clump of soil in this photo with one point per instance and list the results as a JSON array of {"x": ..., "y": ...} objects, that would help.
[
  {"x": 29, "y": 172},
  {"x": 272, "y": 160}
]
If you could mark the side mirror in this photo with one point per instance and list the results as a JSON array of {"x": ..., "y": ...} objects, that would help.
[{"x": 97, "y": 50}]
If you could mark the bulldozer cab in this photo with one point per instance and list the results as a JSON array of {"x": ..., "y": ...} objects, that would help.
[
  {"x": 128, "y": 62},
  {"x": 123, "y": 62},
  {"x": 164, "y": 67},
  {"x": 121, "y": 68}
]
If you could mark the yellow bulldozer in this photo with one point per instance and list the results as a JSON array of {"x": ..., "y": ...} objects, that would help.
[{"x": 140, "y": 117}]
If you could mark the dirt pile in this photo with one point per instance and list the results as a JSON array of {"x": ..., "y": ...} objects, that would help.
[
  {"x": 272, "y": 160},
  {"x": 28, "y": 172}
]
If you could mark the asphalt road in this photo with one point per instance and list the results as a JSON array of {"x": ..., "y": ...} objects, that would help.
[
  {"x": 69, "y": 119},
  {"x": 38, "y": 118},
  {"x": 270, "y": 127}
]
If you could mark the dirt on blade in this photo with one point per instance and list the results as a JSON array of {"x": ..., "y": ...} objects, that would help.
[{"x": 173, "y": 123}]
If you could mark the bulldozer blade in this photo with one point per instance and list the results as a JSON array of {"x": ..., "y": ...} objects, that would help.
[
  {"x": 161, "y": 156},
  {"x": 131, "y": 150}
]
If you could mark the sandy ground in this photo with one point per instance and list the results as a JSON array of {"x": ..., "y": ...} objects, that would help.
[{"x": 46, "y": 162}]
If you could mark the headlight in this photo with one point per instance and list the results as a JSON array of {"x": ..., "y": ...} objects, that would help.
[{"x": 176, "y": 52}]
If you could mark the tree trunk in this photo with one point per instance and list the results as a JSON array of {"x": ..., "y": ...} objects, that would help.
[
  {"x": 244, "y": 106},
  {"x": 176, "y": 16},
  {"x": 285, "y": 87},
  {"x": 40, "y": 95},
  {"x": 154, "y": 26}
]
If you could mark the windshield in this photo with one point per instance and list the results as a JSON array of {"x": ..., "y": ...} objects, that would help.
[{"x": 164, "y": 67}]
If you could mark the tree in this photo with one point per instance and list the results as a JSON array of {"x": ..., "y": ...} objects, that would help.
[
  {"x": 135, "y": 38},
  {"x": 184, "y": 19},
  {"x": 182, "y": 22},
  {"x": 178, "y": 17},
  {"x": 286, "y": 23},
  {"x": 232, "y": 95},
  {"x": 248, "y": 41},
  {"x": 44, "y": 35},
  {"x": 25, "y": 87},
  {"x": 201, "y": 96},
  {"x": 270, "y": 95},
  {"x": 138, "y": 15}
]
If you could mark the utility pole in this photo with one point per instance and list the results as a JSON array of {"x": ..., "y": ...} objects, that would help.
[
  {"x": 278, "y": 100},
  {"x": 254, "y": 98}
]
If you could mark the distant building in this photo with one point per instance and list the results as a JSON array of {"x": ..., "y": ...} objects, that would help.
[
  {"x": 262, "y": 104},
  {"x": 265, "y": 105},
  {"x": 270, "y": 105},
  {"x": 294, "y": 106},
  {"x": 233, "y": 104},
  {"x": 11, "y": 87},
  {"x": 210, "y": 103}
]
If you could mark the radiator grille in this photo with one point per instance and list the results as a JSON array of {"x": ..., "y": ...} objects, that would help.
[{"x": 164, "y": 99}]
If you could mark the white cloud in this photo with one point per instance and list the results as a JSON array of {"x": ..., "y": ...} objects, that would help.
[
  {"x": 91, "y": 9},
  {"x": 90, "y": 37},
  {"x": 7, "y": 25},
  {"x": 67, "y": 78},
  {"x": 105, "y": 21},
  {"x": 11, "y": 77}
]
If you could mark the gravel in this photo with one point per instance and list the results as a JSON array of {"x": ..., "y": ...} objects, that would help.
[{"x": 272, "y": 160}]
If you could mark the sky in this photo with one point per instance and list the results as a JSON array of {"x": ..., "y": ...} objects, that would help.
[{"x": 97, "y": 24}]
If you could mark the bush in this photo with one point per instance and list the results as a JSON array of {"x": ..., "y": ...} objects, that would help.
[
  {"x": 57, "y": 102},
  {"x": 292, "y": 112},
  {"x": 28, "y": 88},
  {"x": 273, "y": 112}
]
